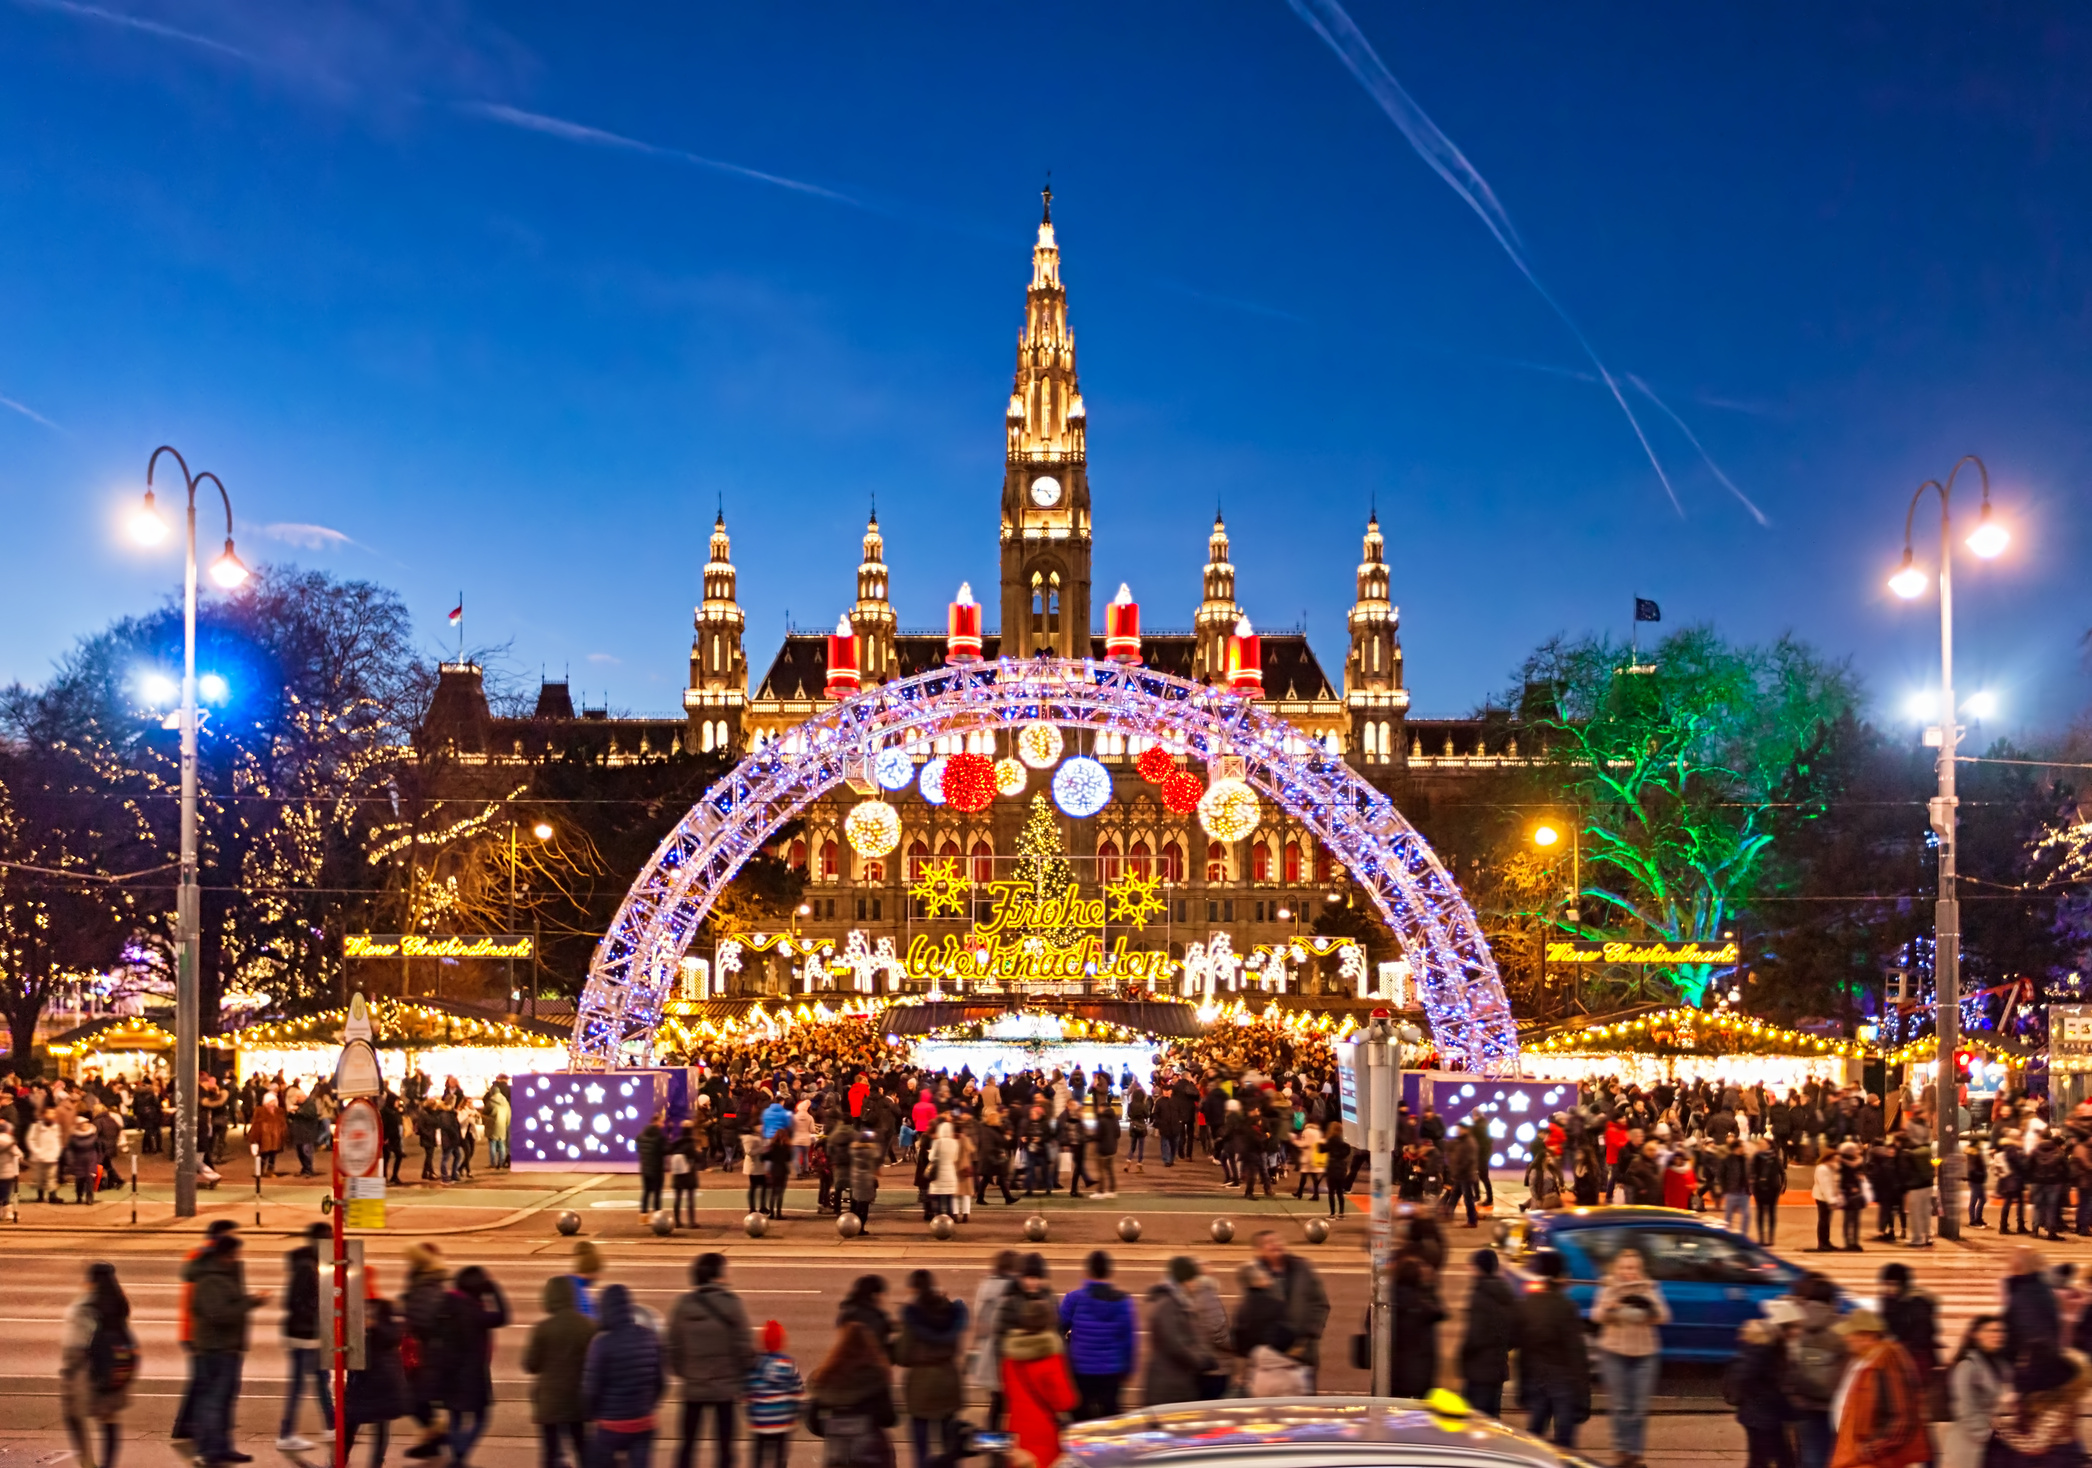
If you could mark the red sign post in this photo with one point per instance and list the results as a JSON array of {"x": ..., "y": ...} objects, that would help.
[{"x": 359, "y": 1160}]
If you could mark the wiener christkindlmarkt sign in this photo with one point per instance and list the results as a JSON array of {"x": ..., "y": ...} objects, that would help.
[
  {"x": 436, "y": 945},
  {"x": 1640, "y": 951}
]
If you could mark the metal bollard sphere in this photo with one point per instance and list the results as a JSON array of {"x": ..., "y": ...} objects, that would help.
[
  {"x": 1129, "y": 1229},
  {"x": 849, "y": 1225},
  {"x": 1223, "y": 1230},
  {"x": 941, "y": 1226},
  {"x": 1035, "y": 1228},
  {"x": 570, "y": 1223},
  {"x": 663, "y": 1223},
  {"x": 1317, "y": 1230},
  {"x": 755, "y": 1225}
]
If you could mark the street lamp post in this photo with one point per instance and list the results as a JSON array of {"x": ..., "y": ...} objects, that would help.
[
  {"x": 150, "y": 529},
  {"x": 1986, "y": 540},
  {"x": 1544, "y": 836}
]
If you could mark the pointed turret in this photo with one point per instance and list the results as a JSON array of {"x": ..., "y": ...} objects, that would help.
[
  {"x": 1373, "y": 692},
  {"x": 1218, "y": 613},
  {"x": 1046, "y": 491},
  {"x": 873, "y": 617},
  {"x": 718, "y": 692}
]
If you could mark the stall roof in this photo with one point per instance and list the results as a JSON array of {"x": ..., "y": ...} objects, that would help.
[{"x": 1164, "y": 1019}]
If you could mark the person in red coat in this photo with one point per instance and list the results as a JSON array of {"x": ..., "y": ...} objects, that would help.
[
  {"x": 1035, "y": 1381},
  {"x": 1679, "y": 1181}
]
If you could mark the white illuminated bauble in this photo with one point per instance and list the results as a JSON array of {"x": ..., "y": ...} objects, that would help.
[
  {"x": 931, "y": 781},
  {"x": 893, "y": 769},
  {"x": 1009, "y": 777},
  {"x": 1229, "y": 810},
  {"x": 1081, "y": 786},
  {"x": 874, "y": 828},
  {"x": 1039, "y": 745}
]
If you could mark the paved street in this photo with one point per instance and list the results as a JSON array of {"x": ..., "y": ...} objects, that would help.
[{"x": 795, "y": 1274}]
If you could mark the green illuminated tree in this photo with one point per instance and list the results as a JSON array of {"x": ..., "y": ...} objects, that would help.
[{"x": 1675, "y": 769}]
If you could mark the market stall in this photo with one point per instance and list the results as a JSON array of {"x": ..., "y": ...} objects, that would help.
[
  {"x": 1716, "y": 1045},
  {"x": 437, "y": 1038},
  {"x": 119, "y": 1046}
]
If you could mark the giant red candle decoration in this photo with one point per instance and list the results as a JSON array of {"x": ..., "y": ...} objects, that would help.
[
  {"x": 1122, "y": 628},
  {"x": 842, "y": 660},
  {"x": 1246, "y": 660},
  {"x": 962, "y": 641}
]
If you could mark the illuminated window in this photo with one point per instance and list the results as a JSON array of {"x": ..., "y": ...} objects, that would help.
[
  {"x": 1138, "y": 858},
  {"x": 797, "y": 859},
  {"x": 947, "y": 850},
  {"x": 875, "y": 871},
  {"x": 918, "y": 853},
  {"x": 1108, "y": 861},
  {"x": 831, "y": 861},
  {"x": 1292, "y": 867},
  {"x": 983, "y": 863},
  {"x": 1172, "y": 862},
  {"x": 1259, "y": 862},
  {"x": 1216, "y": 862}
]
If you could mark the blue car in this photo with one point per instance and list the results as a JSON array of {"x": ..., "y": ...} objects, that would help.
[{"x": 1713, "y": 1279}]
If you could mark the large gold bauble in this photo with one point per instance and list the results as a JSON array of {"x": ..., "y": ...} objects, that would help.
[
  {"x": 1229, "y": 810},
  {"x": 874, "y": 828},
  {"x": 1039, "y": 745},
  {"x": 1009, "y": 777}
]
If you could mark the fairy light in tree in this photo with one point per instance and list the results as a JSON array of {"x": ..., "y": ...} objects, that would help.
[
  {"x": 1155, "y": 764},
  {"x": 874, "y": 828},
  {"x": 969, "y": 782},
  {"x": 892, "y": 768},
  {"x": 1009, "y": 777},
  {"x": 1229, "y": 810},
  {"x": 1081, "y": 786},
  {"x": 931, "y": 781},
  {"x": 1038, "y": 745},
  {"x": 1181, "y": 792}
]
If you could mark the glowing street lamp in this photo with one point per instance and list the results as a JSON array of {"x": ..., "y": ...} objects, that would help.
[
  {"x": 1545, "y": 835},
  {"x": 542, "y": 830},
  {"x": 148, "y": 528},
  {"x": 1986, "y": 541}
]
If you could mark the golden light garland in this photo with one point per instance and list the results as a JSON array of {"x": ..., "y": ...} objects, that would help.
[
  {"x": 874, "y": 828},
  {"x": 1229, "y": 810},
  {"x": 1722, "y": 1022},
  {"x": 396, "y": 1021},
  {"x": 1009, "y": 777},
  {"x": 1039, "y": 745}
]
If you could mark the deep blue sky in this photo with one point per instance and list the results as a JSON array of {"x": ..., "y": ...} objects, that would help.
[{"x": 312, "y": 246}]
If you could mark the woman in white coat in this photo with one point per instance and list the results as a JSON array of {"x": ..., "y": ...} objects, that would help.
[
  {"x": 1981, "y": 1373},
  {"x": 944, "y": 1172}
]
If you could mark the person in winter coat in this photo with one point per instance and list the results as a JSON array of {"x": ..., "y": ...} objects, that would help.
[
  {"x": 1099, "y": 1323},
  {"x": 710, "y": 1348},
  {"x": 378, "y": 1393},
  {"x": 2032, "y": 1319},
  {"x": 850, "y": 1402},
  {"x": 1104, "y": 1147},
  {"x": 1180, "y": 1351},
  {"x": 1912, "y": 1317},
  {"x": 472, "y": 1311},
  {"x": 1881, "y": 1403},
  {"x": 555, "y": 1356},
  {"x": 1753, "y": 1386},
  {"x": 1260, "y": 1334},
  {"x": 1554, "y": 1363},
  {"x": 1338, "y": 1158},
  {"x": 1492, "y": 1335},
  {"x": 682, "y": 1173},
  {"x": 1035, "y": 1381},
  {"x": 621, "y": 1382},
  {"x": 421, "y": 1312},
  {"x": 865, "y": 1154},
  {"x": 1628, "y": 1309},
  {"x": 1415, "y": 1319},
  {"x": 301, "y": 1338},
  {"x": 866, "y": 1304},
  {"x": 2035, "y": 1424},
  {"x": 984, "y": 1361},
  {"x": 83, "y": 1159},
  {"x": 270, "y": 1130},
  {"x": 932, "y": 1325},
  {"x": 651, "y": 1148},
  {"x": 775, "y": 1395},
  {"x": 1981, "y": 1375},
  {"x": 1768, "y": 1180},
  {"x": 944, "y": 1171},
  {"x": 219, "y": 1308},
  {"x": 97, "y": 1361},
  {"x": 10, "y": 1163}
]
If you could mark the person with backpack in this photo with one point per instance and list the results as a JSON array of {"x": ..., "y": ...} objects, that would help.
[
  {"x": 472, "y": 1311},
  {"x": 301, "y": 1340},
  {"x": 1768, "y": 1180},
  {"x": 932, "y": 1325},
  {"x": 850, "y": 1402},
  {"x": 555, "y": 1356},
  {"x": 97, "y": 1362},
  {"x": 622, "y": 1382},
  {"x": 775, "y": 1395}
]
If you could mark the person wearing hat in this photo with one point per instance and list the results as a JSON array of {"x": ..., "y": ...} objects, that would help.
[
  {"x": 1491, "y": 1336},
  {"x": 1853, "y": 1189},
  {"x": 301, "y": 1339},
  {"x": 1755, "y": 1383},
  {"x": 1879, "y": 1408}
]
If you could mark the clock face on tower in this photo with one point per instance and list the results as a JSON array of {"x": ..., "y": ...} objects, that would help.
[{"x": 1045, "y": 491}]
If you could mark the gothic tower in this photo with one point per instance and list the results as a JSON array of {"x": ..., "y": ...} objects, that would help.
[
  {"x": 872, "y": 619},
  {"x": 1373, "y": 693},
  {"x": 718, "y": 691},
  {"x": 1218, "y": 613},
  {"x": 1045, "y": 485}
]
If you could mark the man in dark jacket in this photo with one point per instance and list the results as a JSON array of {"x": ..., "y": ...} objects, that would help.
[
  {"x": 651, "y": 1149},
  {"x": 622, "y": 1381},
  {"x": 1554, "y": 1361},
  {"x": 2032, "y": 1321},
  {"x": 555, "y": 1355},
  {"x": 1098, "y": 1322},
  {"x": 1912, "y": 1318},
  {"x": 1180, "y": 1353},
  {"x": 301, "y": 1338},
  {"x": 219, "y": 1307},
  {"x": 1307, "y": 1300},
  {"x": 711, "y": 1348},
  {"x": 1492, "y": 1334}
]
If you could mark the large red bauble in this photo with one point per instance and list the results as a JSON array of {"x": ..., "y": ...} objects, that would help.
[
  {"x": 1180, "y": 791},
  {"x": 1155, "y": 764},
  {"x": 969, "y": 782}
]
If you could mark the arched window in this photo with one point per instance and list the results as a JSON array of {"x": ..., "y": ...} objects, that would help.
[
  {"x": 875, "y": 872},
  {"x": 723, "y": 740},
  {"x": 947, "y": 850},
  {"x": 1216, "y": 862},
  {"x": 1259, "y": 861},
  {"x": 1107, "y": 861},
  {"x": 918, "y": 853},
  {"x": 1138, "y": 858},
  {"x": 1386, "y": 749},
  {"x": 704, "y": 736},
  {"x": 983, "y": 863},
  {"x": 797, "y": 858},
  {"x": 1325, "y": 867},
  {"x": 1172, "y": 862},
  {"x": 1292, "y": 867},
  {"x": 831, "y": 860}
]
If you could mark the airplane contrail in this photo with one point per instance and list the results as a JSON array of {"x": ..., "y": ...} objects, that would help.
[
  {"x": 141, "y": 23},
  {"x": 1693, "y": 439},
  {"x": 1334, "y": 25}
]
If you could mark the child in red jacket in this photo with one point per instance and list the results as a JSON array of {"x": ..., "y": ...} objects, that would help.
[{"x": 1035, "y": 1381}]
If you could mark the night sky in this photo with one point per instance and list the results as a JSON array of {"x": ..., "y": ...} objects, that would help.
[{"x": 508, "y": 299}]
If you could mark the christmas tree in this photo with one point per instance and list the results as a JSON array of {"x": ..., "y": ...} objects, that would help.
[{"x": 1042, "y": 868}]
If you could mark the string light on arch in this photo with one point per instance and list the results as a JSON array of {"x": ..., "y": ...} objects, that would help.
[
  {"x": 892, "y": 768},
  {"x": 1009, "y": 777},
  {"x": 1229, "y": 810},
  {"x": 931, "y": 781},
  {"x": 968, "y": 782},
  {"x": 1081, "y": 786},
  {"x": 1038, "y": 745},
  {"x": 874, "y": 828},
  {"x": 1181, "y": 791}
]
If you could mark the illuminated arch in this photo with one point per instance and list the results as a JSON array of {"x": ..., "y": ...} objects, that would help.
[{"x": 634, "y": 970}]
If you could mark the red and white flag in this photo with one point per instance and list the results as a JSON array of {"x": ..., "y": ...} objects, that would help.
[{"x": 457, "y": 614}]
